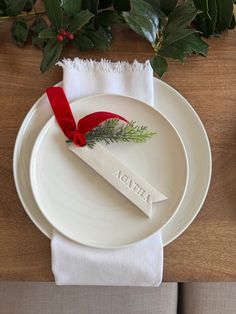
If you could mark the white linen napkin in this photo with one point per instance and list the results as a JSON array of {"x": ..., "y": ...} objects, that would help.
[{"x": 142, "y": 263}]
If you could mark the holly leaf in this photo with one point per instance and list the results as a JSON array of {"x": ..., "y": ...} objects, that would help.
[
  {"x": 167, "y": 6},
  {"x": 186, "y": 46},
  {"x": 181, "y": 17},
  {"x": 37, "y": 26},
  {"x": 49, "y": 32},
  {"x": 38, "y": 42},
  {"x": 100, "y": 37},
  {"x": 109, "y": 17},
  {"x": 224, "y": 14},
  {"x": 83, "y": 42},
  {"x": 72, "y": 8},
  {"x": 159, "y": 65},
  {"x": 141, "y": 26},
  {"x": 177, "y": 35},
  {"x": 91, "y": 5},
  {"x": 54, "y": 12},
  {"x": 178, "y": 23},
  {"x": 207, "y": 23},
  {"x": 220, "y": 17},
  {"x": 80, "y": 20},
  {"x": 19, "y": 32},
  {"x": 203, "y": 6},
  {"x": 142, "y": 19},
  {"x": 51, "y": 54},
  {"x": 143, "y": 8},
  {"x": 156, "y": 5},
  {"x": 14, "y": 7},
  {"x": 211, "y": 24}
]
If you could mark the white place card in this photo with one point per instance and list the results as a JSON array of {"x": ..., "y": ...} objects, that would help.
[{"x": 132, "y": 186}]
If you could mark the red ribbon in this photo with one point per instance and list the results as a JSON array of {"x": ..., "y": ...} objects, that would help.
[{"x": 65, "y": 119}]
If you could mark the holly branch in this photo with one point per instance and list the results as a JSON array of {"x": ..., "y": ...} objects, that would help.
[{"x": 173, "y": 28}]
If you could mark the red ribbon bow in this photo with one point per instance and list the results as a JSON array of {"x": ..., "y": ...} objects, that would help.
[{"x": 65, "y": 119}]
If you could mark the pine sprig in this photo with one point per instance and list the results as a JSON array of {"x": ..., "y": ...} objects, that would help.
[{"x": 112, "y": 131}]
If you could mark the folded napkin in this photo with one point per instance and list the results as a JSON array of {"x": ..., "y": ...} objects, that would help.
[{"x": 142, "y": 263}]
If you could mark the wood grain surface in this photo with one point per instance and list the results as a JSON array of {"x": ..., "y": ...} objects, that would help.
[{"x": 206, "y": 251}]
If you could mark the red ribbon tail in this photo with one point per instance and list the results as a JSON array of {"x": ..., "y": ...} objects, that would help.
[{"x": 62, "y": 111}]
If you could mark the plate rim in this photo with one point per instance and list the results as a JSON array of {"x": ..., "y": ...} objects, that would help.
[
  {"x": 49, "y": 123},
  {"x": 157, "y": 84},
  {"x": 17, "y": 146},
  {"x": 209, "y": 155}
]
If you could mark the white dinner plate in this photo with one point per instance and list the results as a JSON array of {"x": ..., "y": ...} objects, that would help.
[
  {"x": 178, "y": 111},
  {"x": 84, "y": 207}
]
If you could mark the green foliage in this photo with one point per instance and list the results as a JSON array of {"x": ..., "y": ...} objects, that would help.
[
  {"x": 188, "y": 45},
  {"x": 72, "y": 8},
  {"x": 54, "y": 12},
  {"x": 172, "y": 29},
  {"x": 36, "y": 28},
  {"x": 100, "y": 36},
  {"x": 224, "y": 14},
  {"x": 112, "y": 131},
  {"x": 14, "y": 7},
  {"x": 178, "y": 23},
  {"x": 83, "y": 42},
  {"x": 203, "y": 6},
  {"x": 19, "y": 32},
  {"x": 91, "y": 5},
  {"x": 142, "y": 19},
  {"x": 216, "y": 17},
  {"x": 108, "y": 18},
  {"x": 167, "y": 6},
  {"x": 51, "y": 54},
  {"x": 159, "y": 65},
  {"x": 38, "y": 25},
  {"x": 175, "y": 38},
  {"x": 82, "y": 18},
  {"x": 49, "y": 32}
]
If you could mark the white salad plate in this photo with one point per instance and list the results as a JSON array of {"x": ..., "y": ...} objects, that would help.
[
  {"x": 84, "y": 207},
  {"x": 169, "y": 103}
]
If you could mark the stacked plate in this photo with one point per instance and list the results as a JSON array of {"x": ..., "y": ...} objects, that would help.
[{"x": 60, "y": 191}]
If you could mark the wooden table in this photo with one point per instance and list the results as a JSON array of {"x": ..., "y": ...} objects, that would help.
[{"x": 206, "y": 251}]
